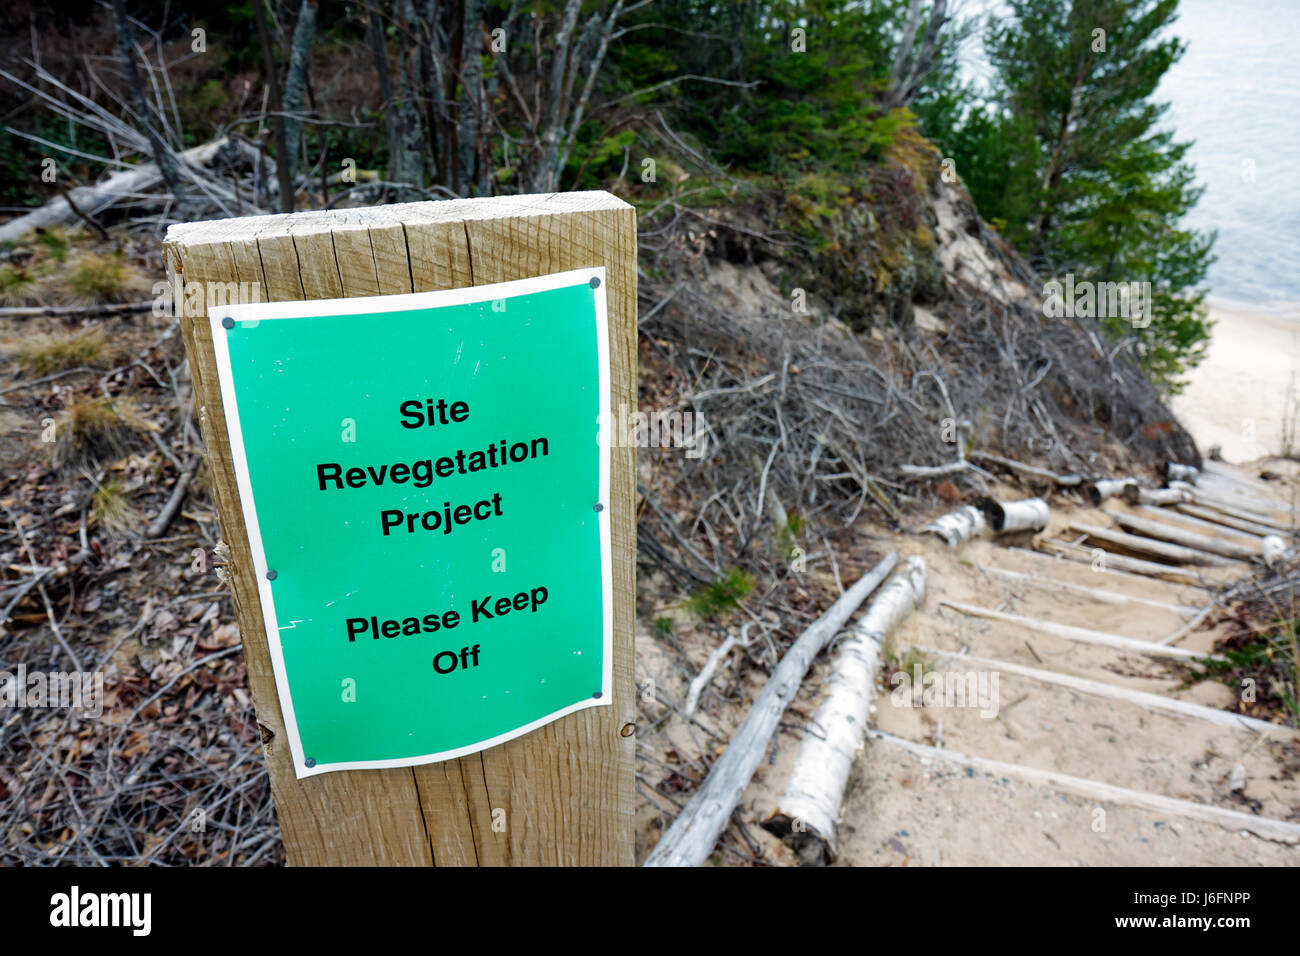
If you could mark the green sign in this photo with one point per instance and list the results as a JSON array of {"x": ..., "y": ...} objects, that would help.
[{"x": 425, "y": 484}]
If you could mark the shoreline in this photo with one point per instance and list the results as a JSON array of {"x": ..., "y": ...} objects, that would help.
[{"x": 1238, "y": 398}]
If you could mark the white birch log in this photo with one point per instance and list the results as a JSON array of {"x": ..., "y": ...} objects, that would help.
[
  {"x": 1136, "y": 495},
  {"x": 1283, "y": 831},
  {"x": 1142, "y": 545},
  {"x": 1105, "y": 560},
  {"x": 120, "y": 185},
  {"x": 810, "y": 808},
  {"x": 1031, "y": 514},
  {"x": 958, "y": 527},
  {"x": 1083, "y": 635},
  {"x": 1098, "y": 491},
  {"x": 692, "y": 836},
  {"x": 1178, "y": 472},
  {"x": 1190, "y": 539}
]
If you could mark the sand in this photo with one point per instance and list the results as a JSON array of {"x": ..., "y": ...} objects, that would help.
[{"x": 1240, "y": 397}]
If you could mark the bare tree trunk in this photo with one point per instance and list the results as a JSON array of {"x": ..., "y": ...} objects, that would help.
[
  {"x": 412, "y": 122},
  {"x": 295, "y": 84},
  {"x": 167, "y": 164},
  {"x": 470, "y": 127},
  {"x": 277, "y": 108},
  {"x": 911, "y": 67},
  {"x": 392, "y": 121}
]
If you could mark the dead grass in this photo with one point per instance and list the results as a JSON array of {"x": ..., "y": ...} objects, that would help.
[
  {"x": 17, "y": 287},
  {"x": 95, "y": 431},
  {"x": 99, "y": 278},
  {"x": 56, "y": 353}
]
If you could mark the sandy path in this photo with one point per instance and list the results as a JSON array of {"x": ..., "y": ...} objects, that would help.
[{"x": 902, "y": 809}]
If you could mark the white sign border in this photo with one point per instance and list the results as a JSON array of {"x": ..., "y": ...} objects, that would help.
[{"x": 402, "y": 302}]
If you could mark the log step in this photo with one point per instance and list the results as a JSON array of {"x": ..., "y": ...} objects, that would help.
[{"x": 1281, "y": 831}]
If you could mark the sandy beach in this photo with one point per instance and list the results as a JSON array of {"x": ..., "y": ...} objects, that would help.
[{"x": 1239, "y": 396}]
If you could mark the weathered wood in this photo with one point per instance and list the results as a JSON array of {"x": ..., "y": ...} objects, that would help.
[
  {"x": 118, "y": 186},
  {"x": 705, "y": 676},
  {"x": 1200, "y": 524},
  {"x": 1172, "y": 705},
  {"x": 692, "y": 836},
  {"x": 1095, "y": 594},
  {"x": 1119, "y": 562},
  {"x": 1189, "y": 539},
  {"x": 1280, "y": 830},
  {"x": 811, "y": 806},
  {"x": 1142, "y": 545},
  {"x": 1064, "y": 481},
  {"x": 1215, "y": 516},
  {"x": 1081, "y": 634},
  {"x": 565, "y": 791}
]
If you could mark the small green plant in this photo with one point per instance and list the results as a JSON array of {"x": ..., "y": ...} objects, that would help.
[
  {"x": 112, "y": 507},
  {"x": 54, "y": 241},
  {"x": 97, "y": 278},
  {"x": 787, "y": 535},
  {"x": 664, "y": 625},
  {"x": 721, "y": 596}
]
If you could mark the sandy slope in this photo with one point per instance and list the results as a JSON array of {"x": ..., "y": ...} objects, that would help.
[{"x": 906, "y": 810}]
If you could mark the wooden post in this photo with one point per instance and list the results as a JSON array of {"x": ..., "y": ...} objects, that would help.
[{"x": 565, "y": 791}]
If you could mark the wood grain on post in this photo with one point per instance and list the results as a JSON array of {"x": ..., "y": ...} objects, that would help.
[{"x": 566, "y": 789}]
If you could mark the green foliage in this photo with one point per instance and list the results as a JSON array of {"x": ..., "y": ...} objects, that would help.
[
  {"x": 722, "y": 595},
  {"x": 1068, "y": 158},
  {"x": 794, "y": 85}
]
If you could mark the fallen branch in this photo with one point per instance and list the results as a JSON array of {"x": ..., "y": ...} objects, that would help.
[
  {"x": 692, "y": 836},
  {"x": 1082, "y": 635},
  {"x": 173, "y": 505},
  {"x": 1064, "y": 481},
  {"x": 98, "y": 308},
  {"x": 807, "y": 814}
]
